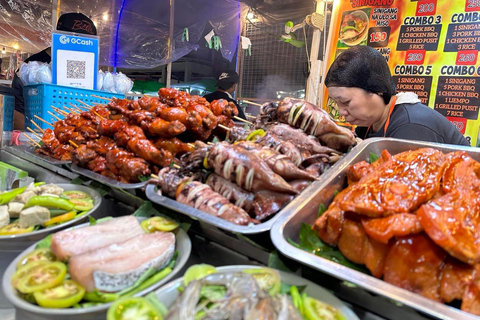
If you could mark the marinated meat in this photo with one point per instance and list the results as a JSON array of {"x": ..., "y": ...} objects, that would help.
[
  {"x": 398, "y": 185},
  {"x": 330, "y": 224},
  {"x": 353, "y": 242},
  {"x": 455, "y": 278},
  {"x": 397, "y": 225},
  {"x": 415, "y": 263},
  {"x": 452, "y": 220}
]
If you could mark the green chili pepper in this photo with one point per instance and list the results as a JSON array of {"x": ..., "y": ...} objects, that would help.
[
  {"x": 348, "y": 28},
  {"x": 254, "y": 135},
  {"x": 9, "y": 195},
  {"x": 50, "y": 202}
]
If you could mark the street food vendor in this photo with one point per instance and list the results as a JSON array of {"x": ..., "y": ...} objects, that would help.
[
  {"x": 359, "y": 81},
  {"x": 70, "y": 22},
  {"x": 226, "y": 85}
]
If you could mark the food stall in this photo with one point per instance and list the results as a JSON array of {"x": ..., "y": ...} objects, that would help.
[{"x": 250, "y": 201}]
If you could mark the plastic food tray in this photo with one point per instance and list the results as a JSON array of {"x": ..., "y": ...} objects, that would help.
[
  {"x": 39, "y": 99},
  {"x": 305, "y": 207},
  {"x": 169, "y": 203},
  {"x": 107, "y": 181},
  {"x": 28, "y": 311}
]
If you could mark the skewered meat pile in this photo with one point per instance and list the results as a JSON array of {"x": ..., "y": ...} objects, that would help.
[
  {"x": 413, "y": 218},
  {"x": 143, "y": 134}
]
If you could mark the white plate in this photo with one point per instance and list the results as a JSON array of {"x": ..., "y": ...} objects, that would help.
[
  {"x": 168, "y": 293},
  {"x": 27, "y": 311}
]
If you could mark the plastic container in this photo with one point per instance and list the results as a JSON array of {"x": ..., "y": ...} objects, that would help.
[
  {"x": 39, "y": 99},
  {"x": 8, "y": 108}
]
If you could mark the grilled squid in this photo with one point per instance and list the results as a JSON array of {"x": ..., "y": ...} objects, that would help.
[
  {"x": 202, "y": 197},
  {"x": 245, "y": 169},
  {"x": 279, "y": 163},
  {"x": 312, "y": 120},
  {"x": 300, "y": 138},
  {"x": 284, "y": 147},
  {"x": 262, "y": 205}
]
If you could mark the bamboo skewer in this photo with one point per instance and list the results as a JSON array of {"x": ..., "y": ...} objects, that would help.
[
  {"x": 63, "y": 113},
  {"x": 30, "y": 144},
  {"x": 103, "y": 98},
  {"x": 85, "y": 104},
  {"x": 73, "y": 143},
  {"x": 29, "y": 138},
  {"x": 242, "y": 120},
  {"x": 37, "y": 126},
  {"x": 223, "y": 127},
  {"x": 95, "y": 113},
  {"x": 251, "y": 117},
  {"x": 154, "y": 176},
  {"x": 210, "y": 143},
  {"x": 176, "y": 166},
  {"x": 33, "y": 131},
  {"x": 53, "y": 115},
  {"x": 252, "y": 103},
  {"x": 70, "y": 109},
  {"x": 78, "y": 107},
  {"x": 45, "y": 121},
  {"x": 191, "y": 145}
]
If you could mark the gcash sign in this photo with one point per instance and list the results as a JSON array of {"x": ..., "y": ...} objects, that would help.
[{"x": 75, "y": 60}]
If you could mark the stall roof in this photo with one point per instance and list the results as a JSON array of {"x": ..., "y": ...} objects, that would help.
[{"x": 133, "y": 34}]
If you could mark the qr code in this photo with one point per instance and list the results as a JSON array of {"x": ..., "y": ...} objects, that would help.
[{"x": 75, "y": 69}]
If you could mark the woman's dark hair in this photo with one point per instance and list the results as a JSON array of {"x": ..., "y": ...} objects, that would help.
[{"x": 362, "y": 67}]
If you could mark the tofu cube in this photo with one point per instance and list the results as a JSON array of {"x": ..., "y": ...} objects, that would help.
[
  {"x": 33, "y": 216},
  {"x": 14, "y": 209},
  {"x": 4, "y": 216},
  {"x": 23, "y": 197}
]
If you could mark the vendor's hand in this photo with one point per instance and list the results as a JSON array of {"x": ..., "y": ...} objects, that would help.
[{"x": 358, "y": 140}]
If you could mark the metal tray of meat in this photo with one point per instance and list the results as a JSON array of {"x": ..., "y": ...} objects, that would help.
[
  {"x": 168, "y": 293},
  {"x": 55, "y": 162},
  {"x": 305, "y": 207},
  {"x": 215, "y": 221},
  {"x": 28, "y": 311},
  {"x": 106, "y": 181}
]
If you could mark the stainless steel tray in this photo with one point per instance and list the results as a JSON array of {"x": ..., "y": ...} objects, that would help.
[
  {"x": 305, "y": 207},
  {"x": 168, "y": 293},
  {"x": 31, "y": 150},
  {"x": 220, "y": 223},
  {"x": 107, "y": 181}
]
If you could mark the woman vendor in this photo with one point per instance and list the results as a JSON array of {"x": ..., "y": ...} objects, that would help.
[{"x": 359, "y": 81}]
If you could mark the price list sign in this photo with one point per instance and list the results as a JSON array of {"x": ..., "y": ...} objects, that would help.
[{"x": 431, "y": 47}]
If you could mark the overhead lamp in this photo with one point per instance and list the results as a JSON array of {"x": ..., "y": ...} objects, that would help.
[
  {"x": 4, "y": 51},
  {"x": 105, "y": 17},
  {"x": 250, "y": 15},
  {"x": 15, "y": 46}
]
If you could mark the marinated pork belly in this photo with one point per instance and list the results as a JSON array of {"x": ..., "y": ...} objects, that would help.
[
  {"x": 396, "y": 186},
  {"x": 415, "y": 263}
]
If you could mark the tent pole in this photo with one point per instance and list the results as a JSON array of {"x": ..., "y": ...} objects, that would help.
[
  {"x": 55, "y": 13},
  {"x": 170, "y": 43}
]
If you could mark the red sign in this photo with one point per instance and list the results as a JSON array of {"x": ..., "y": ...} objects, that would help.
[
  {"x": 460, "y": 123},
  {"x": 466, "y": 57},
  {"x": 426, "y": 8},
  {"x": 415, "y": 57},
  {"x": 472, "y": 5}
]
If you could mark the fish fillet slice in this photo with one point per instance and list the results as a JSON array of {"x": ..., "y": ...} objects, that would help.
[
  {"x": 68, "y": 243},
  {"x": 118, "y": 266}
]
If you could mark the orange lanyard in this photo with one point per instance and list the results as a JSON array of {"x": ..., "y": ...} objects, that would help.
[{"x": 392, "y": 106}]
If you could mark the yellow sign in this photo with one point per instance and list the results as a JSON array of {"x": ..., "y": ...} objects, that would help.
[{"x": 431, "y": 47}]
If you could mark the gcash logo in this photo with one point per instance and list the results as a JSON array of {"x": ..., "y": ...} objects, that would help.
[{"x": 64, "y": 39}]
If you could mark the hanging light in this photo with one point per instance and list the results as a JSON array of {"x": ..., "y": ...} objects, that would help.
[
  {"x": 15, "y": 46},
  {"x": 4, "y": 51},
  {"x": 250, "y": 15}
]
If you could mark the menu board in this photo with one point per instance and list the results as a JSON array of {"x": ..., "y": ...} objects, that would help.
[{"x": 431, "y": 47}]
